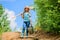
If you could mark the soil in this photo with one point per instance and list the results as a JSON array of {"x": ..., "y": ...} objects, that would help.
[{"x": 38, "y": 35}]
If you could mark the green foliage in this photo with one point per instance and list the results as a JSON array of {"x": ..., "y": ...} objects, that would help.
[
  {"x": 1, "y": 10},
  {"x": 4, "y": 23},
  {"x": 48, "y": 15}
]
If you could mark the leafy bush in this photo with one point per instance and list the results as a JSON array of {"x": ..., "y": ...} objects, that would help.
[
  {"x": 48, "y": 15},
  {"x": 4, "y": 23}
]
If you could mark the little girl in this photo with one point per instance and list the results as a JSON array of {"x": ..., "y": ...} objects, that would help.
[
  {"x": 26, "y": 17},
  {"x": 26, "y": 20}
]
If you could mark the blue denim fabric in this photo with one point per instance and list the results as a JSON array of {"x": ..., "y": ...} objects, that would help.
[{"x": 25, "y": 27}]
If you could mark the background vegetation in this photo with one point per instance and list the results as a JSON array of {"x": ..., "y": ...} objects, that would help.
[
  {"x": 4, "y": 23},
  {"x": 48, "y": 15}
]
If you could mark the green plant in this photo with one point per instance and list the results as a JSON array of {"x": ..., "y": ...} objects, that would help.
[
  {"x": 4, "y": 23},
  {"x": 48, "y": 15}
]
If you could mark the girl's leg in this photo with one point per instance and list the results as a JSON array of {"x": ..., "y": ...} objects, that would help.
[
  {"x": 26, "y": 31},
  {"x": 23, "y": 30},
  {"x": 28, "y": 23}
]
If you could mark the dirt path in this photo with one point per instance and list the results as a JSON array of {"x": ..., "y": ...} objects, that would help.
[
  {"x": 14, "y": 36},
  {"x": 36, "y": 36}
]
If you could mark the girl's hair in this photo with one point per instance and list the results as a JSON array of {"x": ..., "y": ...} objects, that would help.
[
  {"x": 25, "y": 11},
  {"x": 26, "y": 8}
]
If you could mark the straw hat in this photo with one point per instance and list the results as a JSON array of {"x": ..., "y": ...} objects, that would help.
[{"x": 29, "y": 7}]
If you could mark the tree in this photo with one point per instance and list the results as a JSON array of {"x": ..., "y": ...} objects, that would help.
[
  {"x": 48, "y": 15},
  {"x": 1, "y": 10},
  {"x": 4, "y": 23}
]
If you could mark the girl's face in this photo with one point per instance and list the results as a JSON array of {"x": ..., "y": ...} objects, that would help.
[{"x": 26, "y": 9}]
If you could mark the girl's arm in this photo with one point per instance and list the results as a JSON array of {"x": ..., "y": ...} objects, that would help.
[
  {"x": 16, "y": 15},
  {"x": 22, "y": 15},
  {"x": 30, "y": 19}
]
